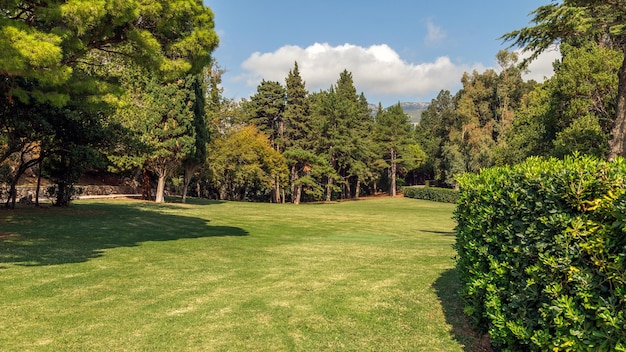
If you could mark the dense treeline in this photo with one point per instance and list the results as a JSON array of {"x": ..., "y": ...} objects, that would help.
[
  {"x": 134, "y": 90},
  {"x": 286, "y": 144},
  {"x": 499, "y": 119}
]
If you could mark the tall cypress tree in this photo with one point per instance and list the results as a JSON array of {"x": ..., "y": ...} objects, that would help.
[
  {"x": 298, "y": 132},
  {"x": 197, "y": 155}
]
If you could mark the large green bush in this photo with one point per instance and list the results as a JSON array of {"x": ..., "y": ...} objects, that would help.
[
  {"x": 436, "y": 194},
  {"x": 542, "y": 254}
]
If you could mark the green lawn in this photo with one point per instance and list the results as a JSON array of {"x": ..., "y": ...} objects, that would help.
[{"x": 371, "y": 275}]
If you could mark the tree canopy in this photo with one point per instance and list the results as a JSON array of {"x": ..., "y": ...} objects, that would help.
[
  {"x": 576, "y": 22},
  {"x": 49, "y": 41}
]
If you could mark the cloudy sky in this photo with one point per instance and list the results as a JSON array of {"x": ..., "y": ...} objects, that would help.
[{"x": 396, "y": 50}]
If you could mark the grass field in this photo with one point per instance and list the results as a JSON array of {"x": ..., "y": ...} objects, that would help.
[{"x": 371, "y": 275}]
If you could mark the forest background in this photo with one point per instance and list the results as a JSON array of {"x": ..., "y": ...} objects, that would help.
[{"x": 130, "y": 88}]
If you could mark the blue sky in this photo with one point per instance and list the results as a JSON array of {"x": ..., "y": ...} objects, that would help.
[{"x": 396, "y": 50}]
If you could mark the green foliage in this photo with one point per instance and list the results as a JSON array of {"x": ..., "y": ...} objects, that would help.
[
  {"x": 435, "y": 194},
  {"x": 542, "y": 253},
  {"x": 49, "y": 41},
  {"x": 244, "y": 166},
  {"x": 579, "y": 22},
  {"x": 393, "y": 133},
  {"x": 583, "y": 136}
]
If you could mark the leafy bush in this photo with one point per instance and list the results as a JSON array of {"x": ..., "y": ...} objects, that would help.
[
  {"x": 63, "y": 194},
  {"x": 444, "y": 195},
  {"x": 542, "y": 254}
]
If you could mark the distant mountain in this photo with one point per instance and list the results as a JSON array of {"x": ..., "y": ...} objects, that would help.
[{"x": 414, "y": 110}]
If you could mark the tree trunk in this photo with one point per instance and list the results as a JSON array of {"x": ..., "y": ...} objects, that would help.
[
  {"x": 357, "y": 190},
  {"x": 24, "y": 165},
  {"x": 294, "y": 178},
  {"x": 40, "y": 164},
  {"x": 146, "y": 185},
  {"x": 329, "y": 189},
  {"x": 617, "y": 143},
  {"x": 393, "y": 171},
  {"x": 187, "y": 174},
  {"x": 298, "y": 194},
  {"x": 276, "y": 192},
  {"x": 62, "y": 195},
  {"x": 223, "y": 192},
  {"x": 160, "y": 191}
]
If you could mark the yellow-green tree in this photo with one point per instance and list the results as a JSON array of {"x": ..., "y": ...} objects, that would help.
[{"x": 244, "y": 165}]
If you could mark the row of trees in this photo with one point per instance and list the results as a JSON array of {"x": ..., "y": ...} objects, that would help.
[
  {"x": 132, "y": 88},
  {"x": 287, "y": 144},
  {"x": 498, "y": 119}
]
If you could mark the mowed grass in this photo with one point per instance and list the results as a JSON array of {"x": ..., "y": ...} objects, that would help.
[{"x": 370, "y": 275}]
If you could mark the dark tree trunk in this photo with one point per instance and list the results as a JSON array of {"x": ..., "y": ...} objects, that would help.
[
  {"x": 392, "y": 173},
  {"x": 187, "y": 174},
  {"x": 276, "y": 190},
  {"x": 294, "y": 178},
  {"x": 329, "y": 189},
  {"x": 24, "y": 165},
  {"x": 40, "y": 164},
  {"x": 617, "y": 143},
  {"x": 146, "y": 185}
]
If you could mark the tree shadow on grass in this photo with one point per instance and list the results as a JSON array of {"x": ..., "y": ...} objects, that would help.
[
  {"x": 447, "y": 287},
  {"x": 444, "y": 233},
  {"x": 49, "y": 236}
]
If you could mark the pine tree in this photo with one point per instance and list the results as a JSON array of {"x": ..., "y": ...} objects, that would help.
[
  {"x": 266, "y": 109},
  {"x": 298, "y": 133}
]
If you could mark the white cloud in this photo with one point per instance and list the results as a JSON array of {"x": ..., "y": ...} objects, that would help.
[
  {"x": 541, "y": 68},
  {"x": 378, "y": 70},
  {"x": 435, "y": 34}
]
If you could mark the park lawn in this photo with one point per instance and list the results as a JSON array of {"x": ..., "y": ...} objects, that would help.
[{"x": 122, "y": 275}]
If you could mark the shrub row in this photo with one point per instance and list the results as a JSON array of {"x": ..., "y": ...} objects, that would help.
[
  {"x": 542, "y": 254},
  {"x": 444, "y": 195}
]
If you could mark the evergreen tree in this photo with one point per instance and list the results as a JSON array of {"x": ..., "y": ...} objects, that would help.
[
  {"x": 198, "y": 153},
  {"x": 266, "y": 109},
  {"x": 571, "y": 111},
  {"x": 576, "y": 22},
  {"x": 433, "y": 133},
  {"x": 393, "y": 131},
  {"x": 298, "y": 138},
  {"x": 48, "y": 41}
]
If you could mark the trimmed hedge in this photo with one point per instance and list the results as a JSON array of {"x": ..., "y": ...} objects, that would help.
[
  {"x": 444, "y": 195},
  {"x": 542, "y": 254}
]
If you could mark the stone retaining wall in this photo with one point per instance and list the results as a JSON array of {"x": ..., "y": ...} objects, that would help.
[{"x": 87, "y": 190}]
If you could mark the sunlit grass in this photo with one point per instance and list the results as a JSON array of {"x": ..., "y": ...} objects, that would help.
[{"x": 373, "y": 275}]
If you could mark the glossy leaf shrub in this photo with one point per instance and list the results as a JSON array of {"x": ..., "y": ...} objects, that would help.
[{"x": 542, "y": 252}]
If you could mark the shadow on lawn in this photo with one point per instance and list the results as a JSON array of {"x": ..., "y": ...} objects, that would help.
[
  {"x": 445, "y": 233},
  {"x": 48, "y": 236},
  {"x": 447, "y": 287}
]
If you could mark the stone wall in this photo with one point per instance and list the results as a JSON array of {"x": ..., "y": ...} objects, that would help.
[{"x": 28, "y": 192}]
